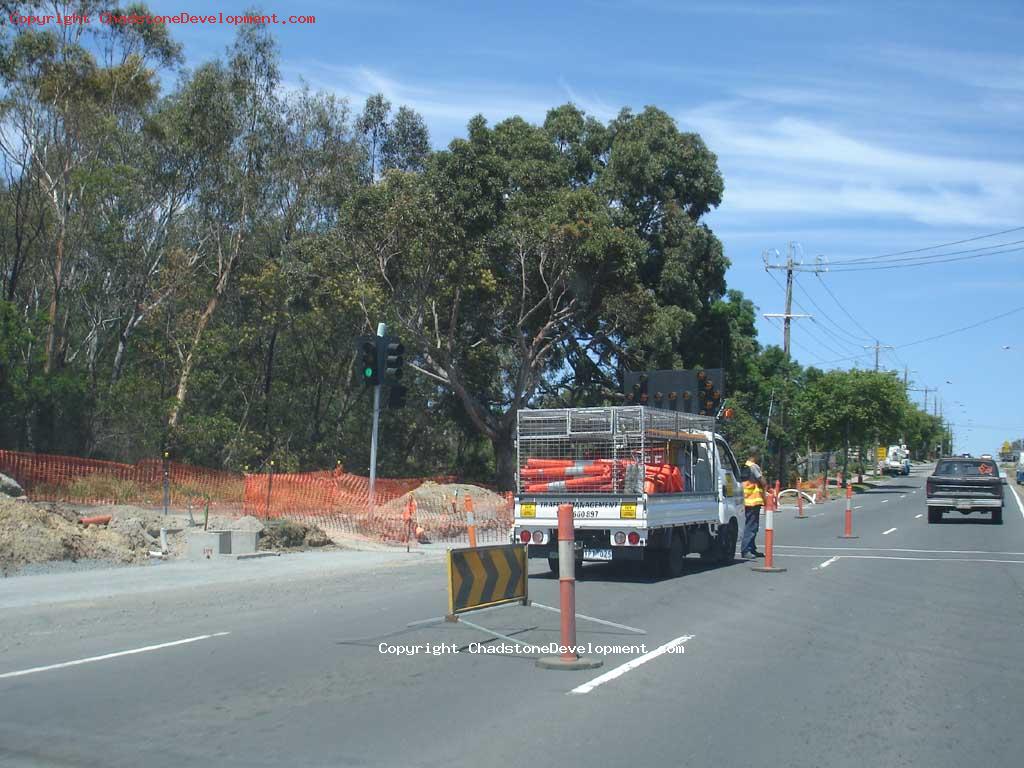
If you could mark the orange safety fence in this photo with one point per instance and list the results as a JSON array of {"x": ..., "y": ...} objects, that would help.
[
  {"x": 335, "y": 500},
  {"x": 46, "y": 477},
  {"x": 338, "y": 501}
]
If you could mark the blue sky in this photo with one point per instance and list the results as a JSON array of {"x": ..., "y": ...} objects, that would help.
[{"x": 853, "y": 129}]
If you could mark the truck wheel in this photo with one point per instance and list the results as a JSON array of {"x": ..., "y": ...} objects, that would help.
[
  {"x": 934, "y": 515},
  {"x": 674, "y": 557},
  {"x": 997, "y": 516},
  {"x": 553, "y": 565},
  {"x": 732, "y": 535}
]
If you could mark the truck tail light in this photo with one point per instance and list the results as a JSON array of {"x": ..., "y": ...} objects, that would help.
[
  {"x": 524, "y": 536},
  {"x": 538, "y": 537},
  {"x": 634, "y": 538},
  {"x": 620, "y": 538}
]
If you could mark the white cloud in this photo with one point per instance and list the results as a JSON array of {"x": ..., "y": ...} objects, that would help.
[
  {"x": 446, "y": 107},
  {"x": 798, "y": 166},
  {"x": 978, "y": 70}
]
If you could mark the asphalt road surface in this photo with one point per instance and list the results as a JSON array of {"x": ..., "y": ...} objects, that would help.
[{"x": 902, "y": 647}]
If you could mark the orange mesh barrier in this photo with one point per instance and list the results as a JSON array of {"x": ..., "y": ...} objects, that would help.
[
  {"x": 90, "y": 481},
  {"x": 335, "y": 500}
]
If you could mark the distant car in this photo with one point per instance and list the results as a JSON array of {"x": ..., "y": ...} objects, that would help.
[
  {"x": 1020, "y": 471},
  {"x": 964, "y": 485}
]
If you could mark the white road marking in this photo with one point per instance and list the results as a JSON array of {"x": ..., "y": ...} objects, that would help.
[
  {"x": 1020, "y": 506},
  {"x": 896, "y": 549},
  {"x": 858, "y": 506},
  {"x": 622, "y": 669},
  {"x": 903, "y": 496},
  {"x": 886, "y": 533},
  {"x": 923, "y": 559},
  {"x": 828, "y": 562},
  {"x": 885, "y": 501},
  {"x": 106, "y": 656},
  {"x": 919, "y": 516}
]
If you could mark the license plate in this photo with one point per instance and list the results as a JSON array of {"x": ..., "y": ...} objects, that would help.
[
  {"x": 597, "y": 554},
  {"x": 963, "y": 505}
]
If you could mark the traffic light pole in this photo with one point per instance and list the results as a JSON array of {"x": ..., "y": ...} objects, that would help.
[{"x": 381, "y": 330}]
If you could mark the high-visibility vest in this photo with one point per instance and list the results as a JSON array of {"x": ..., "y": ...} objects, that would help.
[{"x": 752, "y": 494}]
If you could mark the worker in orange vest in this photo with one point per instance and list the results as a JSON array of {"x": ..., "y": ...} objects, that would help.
[{"x": 753, "y": 500}]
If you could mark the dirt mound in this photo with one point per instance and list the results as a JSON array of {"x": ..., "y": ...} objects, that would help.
[
  {"x": 36, "y": 533},
  {"x": 441, "y": 512},
  {"x": 290, "y": 534}
]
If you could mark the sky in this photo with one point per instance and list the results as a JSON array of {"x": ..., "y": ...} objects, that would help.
[{"x": 850, "y": 130}]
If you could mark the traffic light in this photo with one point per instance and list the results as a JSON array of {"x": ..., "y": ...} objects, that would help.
[
  {"x": 393, "y": 351},
  {"x": 370, "y": 365}
]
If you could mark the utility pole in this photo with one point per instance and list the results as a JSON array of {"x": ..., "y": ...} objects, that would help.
[
  {"x": 791, "y": 265},
  {"x": 382, "y": 329},
  {"x": 878, "y": 347},
  {"x": 926, "y": 390}
]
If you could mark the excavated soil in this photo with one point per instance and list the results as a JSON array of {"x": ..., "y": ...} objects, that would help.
[{"x": 34, "y": 533}]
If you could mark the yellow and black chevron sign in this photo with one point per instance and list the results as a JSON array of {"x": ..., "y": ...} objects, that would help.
[{"x": 482, "y": 576}]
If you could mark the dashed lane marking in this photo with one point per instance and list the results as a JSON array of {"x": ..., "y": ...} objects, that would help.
[
  {"x": 106, "y": 656},
  {"x": 622, "y": 669},
  {"x": 902, "y": 549},
  {"x": 921, "y": 559},
  {"x": 918, "y": 516},
  {"x": 828, "y": 562},
  {"x": 886, "y": 533}
]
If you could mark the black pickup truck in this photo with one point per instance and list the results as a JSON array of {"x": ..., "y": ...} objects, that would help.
[{"x": 965, "y": 485}]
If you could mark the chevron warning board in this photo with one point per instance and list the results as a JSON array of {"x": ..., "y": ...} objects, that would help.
[{"x": 483, "y": 576}]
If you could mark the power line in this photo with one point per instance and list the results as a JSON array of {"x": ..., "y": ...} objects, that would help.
[
  {"x": 909, "y": 259},
  {"x": 943, "y": 245},
  {"x": 964, "y": 328},
  {"x": 857, "y": 339},
  {"x": 875, "y": 268},
  {"x": 800, "y": 306},
  {"x": 845, "y": 312}
]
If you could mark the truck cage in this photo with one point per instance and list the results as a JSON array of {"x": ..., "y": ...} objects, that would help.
[{"x": 614, "y": 449}]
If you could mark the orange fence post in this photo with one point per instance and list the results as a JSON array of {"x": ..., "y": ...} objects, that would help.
[
  {"x": 407, "y": 515},
  {"x": 470, "y": 521},
  {"x": 800, "y": 500}
]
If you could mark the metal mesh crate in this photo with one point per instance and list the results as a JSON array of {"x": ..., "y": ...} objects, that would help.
[{"x": 602, "y": 450}]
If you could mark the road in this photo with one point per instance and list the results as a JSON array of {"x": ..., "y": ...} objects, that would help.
[{"x": 901, "y": 647}]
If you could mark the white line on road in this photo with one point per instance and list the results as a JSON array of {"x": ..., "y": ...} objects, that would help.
[
  {"x": 828, "y": 562},
  {"x": 1019, "y": 505},
  {"x": 858, "y": 506},
  {"x": 894, "y": 549},
  {"x": 923, "y": 559},
  {"x": 622, "y": 669},
  {"x": 885, "y": 501},
  {"x": 886, "y": 533},
  {"x": 903, "y": 496},
  {"x": 106, "y": 656},
  {"x": 919, "y": 516}
]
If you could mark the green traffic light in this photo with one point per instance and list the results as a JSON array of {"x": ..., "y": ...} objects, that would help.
[{"x": 368, "y": 372}]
